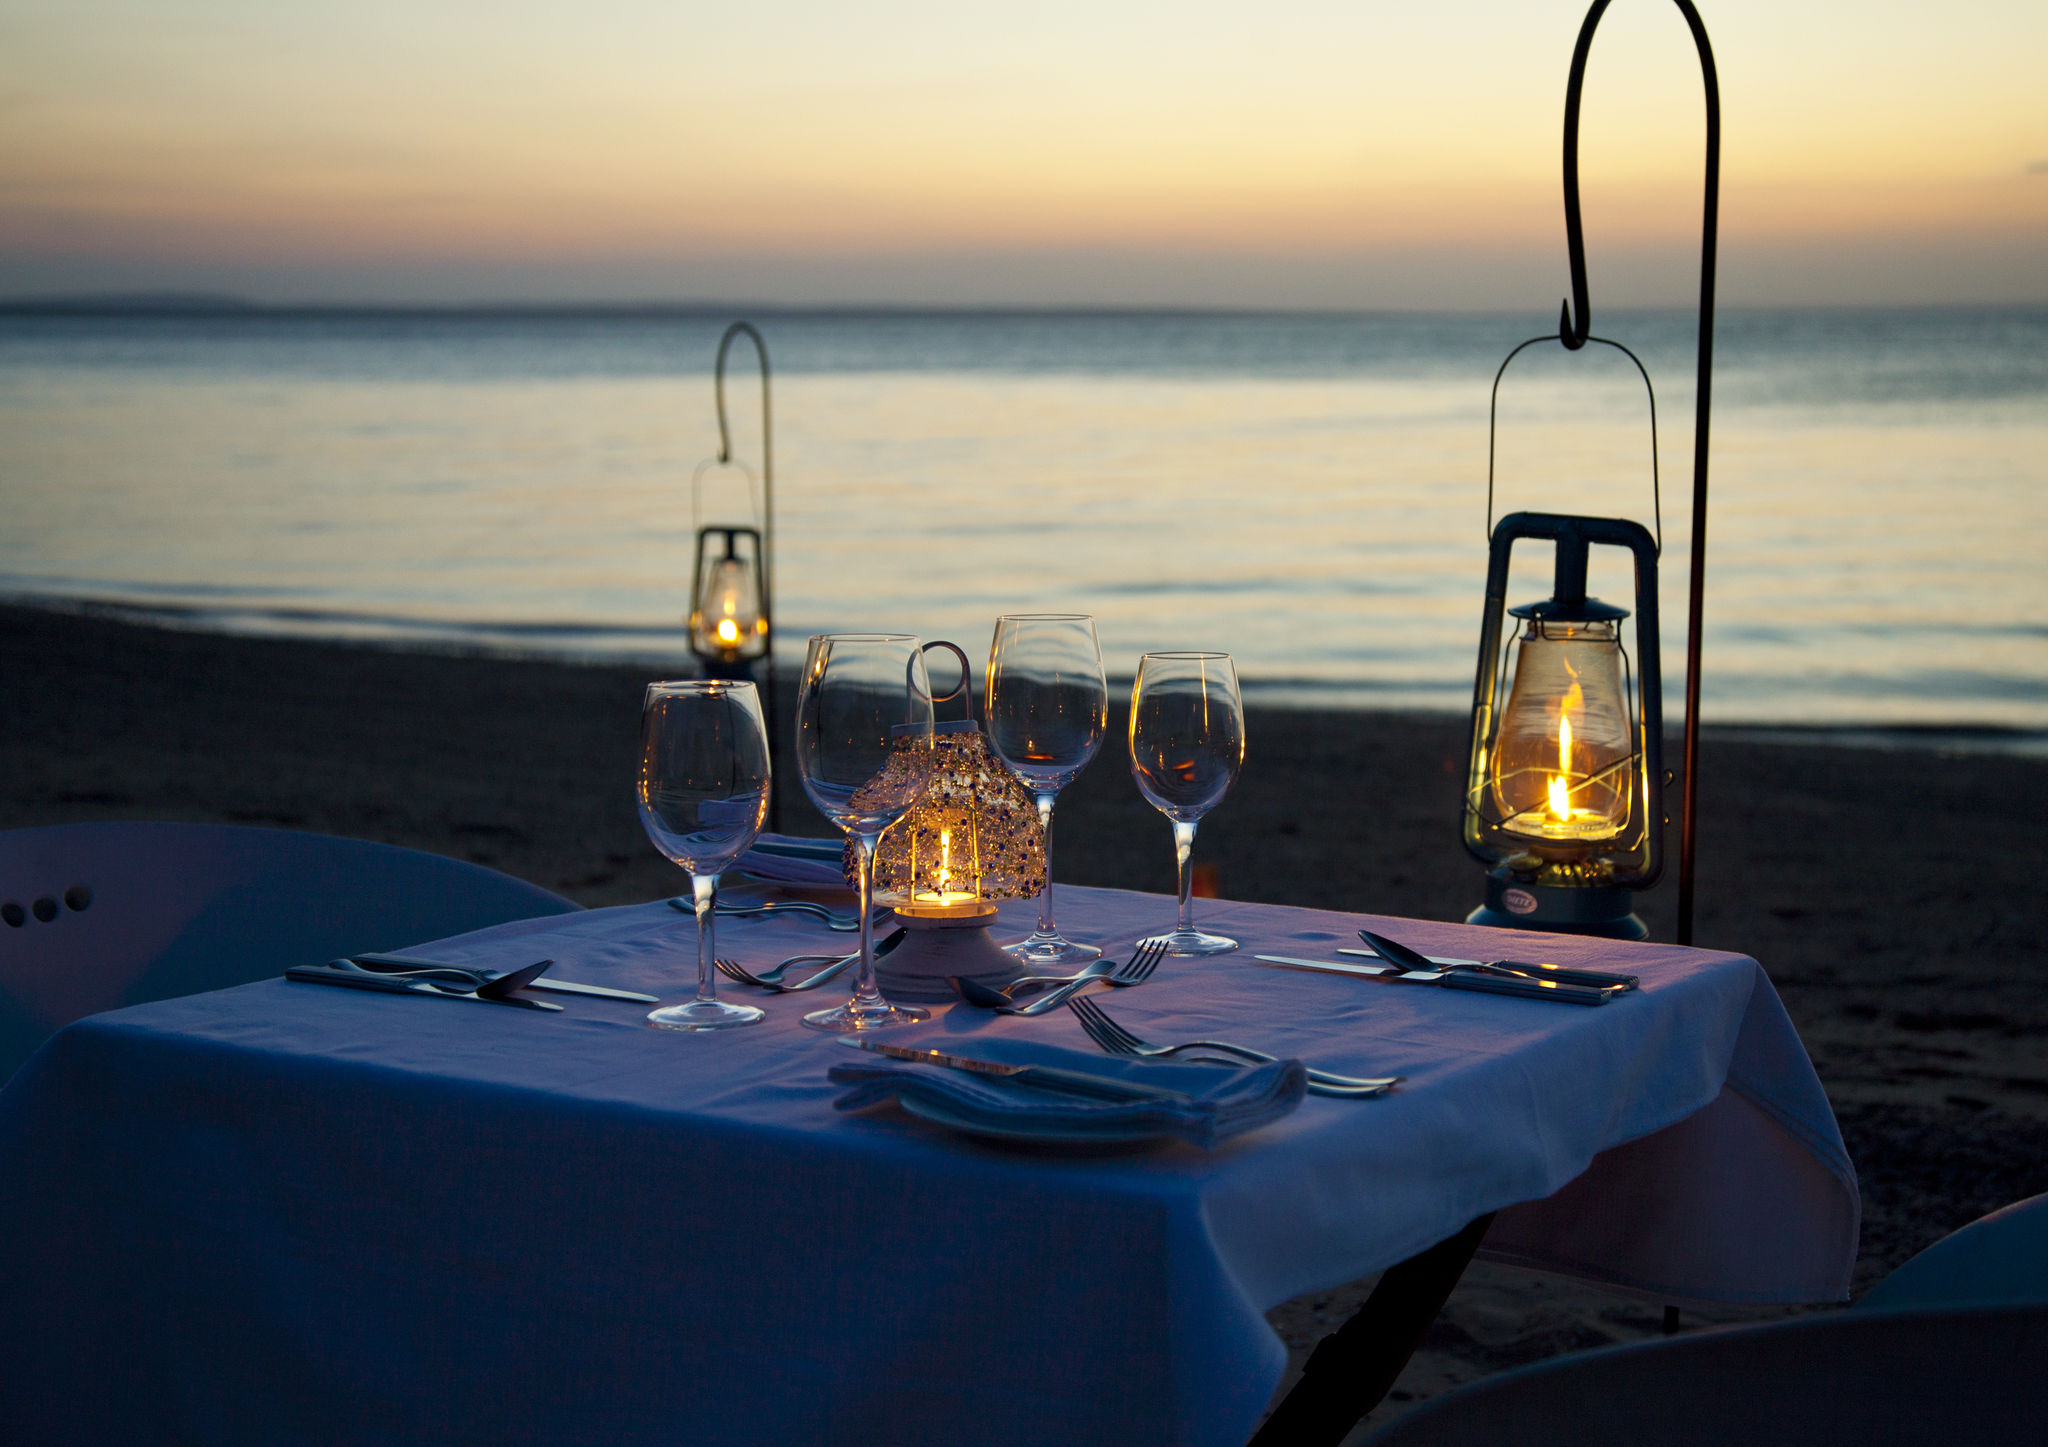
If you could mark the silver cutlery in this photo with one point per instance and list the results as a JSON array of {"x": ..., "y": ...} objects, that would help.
[
  {"x": 1091, "y": 970},
  {"x": 1394, "y": 952},
  {"x": 1046, "y": 1077},
  {"x": 1485, "y": 984},
  {"x": 1116, "y": 1040},
  {"x": 839, "y": 923},
  {"x": 360, "y": 979},
  {"x": 1134, "y": 971},
  {"x": 838, "y": 965},
  {"x": 489, "y": 982}
]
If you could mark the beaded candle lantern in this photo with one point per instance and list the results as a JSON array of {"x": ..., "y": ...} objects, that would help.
[{"x": 972, "y": 839}]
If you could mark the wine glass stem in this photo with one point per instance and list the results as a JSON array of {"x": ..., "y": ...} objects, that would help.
[
  {"x": 864, "y": 992},
  {"x": 704, "y": 889},
  {"x": 1184, "y": 855},
  {"x": 1046, "y": 927}
]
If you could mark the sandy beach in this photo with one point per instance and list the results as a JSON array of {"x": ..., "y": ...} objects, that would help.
[{"x": 1893, "y": 895}]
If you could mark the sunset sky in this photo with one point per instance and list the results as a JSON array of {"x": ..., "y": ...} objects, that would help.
[{"x": 1314, "y": 153}]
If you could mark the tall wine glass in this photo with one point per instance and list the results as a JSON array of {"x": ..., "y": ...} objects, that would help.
[
  {"x": 1048, "y": 707},
  {"x": 703, "y": 797},
  {"x": 864, "y": 748},
  {"x": 1187, "y": 740}
]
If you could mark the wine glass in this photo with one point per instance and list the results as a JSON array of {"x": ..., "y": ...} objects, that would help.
[
  {"x": 864, "y": 748},
  {"x": 1187, "y": 740},
  {"x": 703, "y": 797},
  {"x": 1048, "y": 707}
]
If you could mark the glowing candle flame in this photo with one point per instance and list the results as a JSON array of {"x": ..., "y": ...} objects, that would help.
[
  {"x": 728, "y": 631},
  {"x": 1560, "y": 789}
]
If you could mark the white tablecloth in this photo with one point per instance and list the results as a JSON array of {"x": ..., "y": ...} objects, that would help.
[{"x": 285, "y": 1213}]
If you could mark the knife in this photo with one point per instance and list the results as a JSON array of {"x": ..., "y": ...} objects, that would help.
[
  {"x": 321, "y": 975},
  {"x": 1455, "y": 980},
  {"x": 560, "y": 987},
  {"x": 1394, "y": 952},
  {"x": 1068, "y": 1082}
]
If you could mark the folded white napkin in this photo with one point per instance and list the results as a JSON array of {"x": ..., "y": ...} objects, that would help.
[
  {"x": 1225, "y": 1101},
  {"x": 786, "y": 859}
]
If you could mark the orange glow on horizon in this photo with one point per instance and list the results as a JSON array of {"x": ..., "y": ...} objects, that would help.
[{"x": 376, "y": 133}]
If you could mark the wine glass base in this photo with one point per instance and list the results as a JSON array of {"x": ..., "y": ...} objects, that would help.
[
  {"x": 1187, "y": 943},
  {"x": 705, "y": 1015},
  {"x": 1052, "y": 949},
  {"x": 857, "y": 1019}
]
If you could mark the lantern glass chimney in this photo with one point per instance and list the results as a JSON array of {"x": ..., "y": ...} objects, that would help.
[{"x": 1562, "y": 767}]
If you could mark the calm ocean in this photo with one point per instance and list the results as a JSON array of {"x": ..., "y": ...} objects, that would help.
[{"x": 1305, "y": 491}]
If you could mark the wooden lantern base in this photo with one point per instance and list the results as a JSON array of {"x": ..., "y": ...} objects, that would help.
[{"x": 950, "y": 940}]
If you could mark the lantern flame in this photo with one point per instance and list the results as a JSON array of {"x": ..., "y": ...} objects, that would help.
[
  {"x": 728, "y": 631},
  {"x": 1560, "y": 785}
]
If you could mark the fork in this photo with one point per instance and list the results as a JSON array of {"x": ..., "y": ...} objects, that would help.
[
  {"x": 1134, "y": 971},
  {"x": 772, "y": 979},
  {"x": 491, "y": 985},
  {"x": 1116, "y": 1040},
  {"x": 1094, "y": 969},
  {"x": 838, "y": 923}
]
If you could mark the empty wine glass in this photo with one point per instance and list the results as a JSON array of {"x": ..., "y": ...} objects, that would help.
[
  {"x": 1048, "y": 707},
  {"x": 703, "y": 797},
  {"x": 864, "y": 748},
  {"x": 1187, "y": 740}
]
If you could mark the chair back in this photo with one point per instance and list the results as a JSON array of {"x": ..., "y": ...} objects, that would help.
[
  {"x": 1999, "y": 1260},
  {"x": 97, "y": 916},
  {"x": 1874, "y": 1379}
]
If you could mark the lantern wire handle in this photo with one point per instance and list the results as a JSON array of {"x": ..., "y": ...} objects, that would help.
[
  {"x": 1493, "y": 428},
  {"x": 1575, "y": 324},
  {"x": 960, "y": 690},
  {"x": 697, "y": 490},
  {"x": 767, "y": 499}
]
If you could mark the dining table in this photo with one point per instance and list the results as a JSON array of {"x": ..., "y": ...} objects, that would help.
[{"x": 281, "y": 1213}]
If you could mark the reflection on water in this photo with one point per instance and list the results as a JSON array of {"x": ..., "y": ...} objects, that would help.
[{"x": 1306, "y": 493}]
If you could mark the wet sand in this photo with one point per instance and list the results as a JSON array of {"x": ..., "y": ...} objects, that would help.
[{"x": 1894, "y": 896}]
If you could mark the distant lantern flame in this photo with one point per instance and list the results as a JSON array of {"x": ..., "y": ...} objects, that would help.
[{"x": 728, "y": 632}]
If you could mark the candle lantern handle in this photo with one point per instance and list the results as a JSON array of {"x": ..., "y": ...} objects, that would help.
[{"x": 964, "y": 689}]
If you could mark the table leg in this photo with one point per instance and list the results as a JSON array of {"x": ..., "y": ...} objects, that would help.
[{"x": 1353, "y": 1367}]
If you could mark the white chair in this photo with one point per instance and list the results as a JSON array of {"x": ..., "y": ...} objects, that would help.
[
  {"x": 2000, "y": 1260},
  {"x": 96, "y": 916},
  {"x": 1946, "y": 1351},
  {"x": 1875, "y": 1379}
]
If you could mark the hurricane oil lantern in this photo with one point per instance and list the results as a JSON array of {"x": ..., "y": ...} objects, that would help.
[
  {"x": 728, "y": 601},
  {"x": 1564, "y": 795},
  {"x": 973, "y": 838}
]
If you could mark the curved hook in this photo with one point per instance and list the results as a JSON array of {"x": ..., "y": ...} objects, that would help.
[
  {"x": 767, "y": 478},
  {"x": 767, "y": 509},
  {"x": 1493, "y": 426},
  {"x": 1575, "y": 316},
  {"x": 718, "y": 385}
]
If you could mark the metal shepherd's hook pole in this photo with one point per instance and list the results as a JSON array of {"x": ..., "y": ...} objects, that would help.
[
  {"x": 772, "y": 714},
  {"x": 1575, "y": 325}
]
